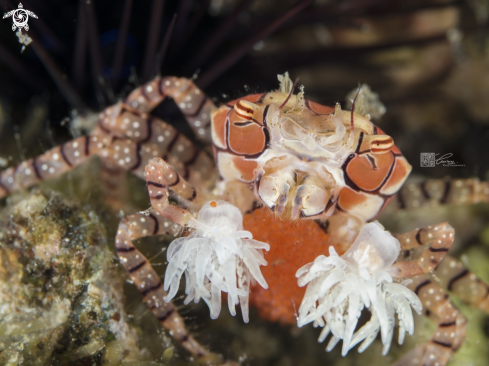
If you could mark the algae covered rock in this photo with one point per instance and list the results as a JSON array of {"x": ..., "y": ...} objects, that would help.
[{"x": 61, "y": 293}]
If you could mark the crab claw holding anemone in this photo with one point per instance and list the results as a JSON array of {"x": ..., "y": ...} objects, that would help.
[
  {"x": 339, "y": 288},
  {"x": 218, "y": 256}
]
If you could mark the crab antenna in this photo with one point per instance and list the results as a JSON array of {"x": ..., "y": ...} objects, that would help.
[
  {"x": 353, "y": 107},
  {"x": 290, "y": 94}
]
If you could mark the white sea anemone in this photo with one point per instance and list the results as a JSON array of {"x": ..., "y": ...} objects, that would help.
[
  {"x": 218, "y": 256},
  {"x": 338, "y": 288}
]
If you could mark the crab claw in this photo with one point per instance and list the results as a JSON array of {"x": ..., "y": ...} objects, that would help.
[
  {"x": 309, "y": 200},
  {"x": 274, "y": 192}
]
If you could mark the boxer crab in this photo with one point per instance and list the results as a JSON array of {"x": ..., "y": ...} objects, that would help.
[{"x": 330, "y": 168}]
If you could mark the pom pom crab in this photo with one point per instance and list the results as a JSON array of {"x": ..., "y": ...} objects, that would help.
[{"x": 331, "y": 169}]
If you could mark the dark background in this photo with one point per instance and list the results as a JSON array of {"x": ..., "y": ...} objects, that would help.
[
  {"x": 428, "y": 60},
  {"x": 434, "y": 89}
]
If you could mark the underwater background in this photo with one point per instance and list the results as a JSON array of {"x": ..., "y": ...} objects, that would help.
[{"x": 64, "y": 298}]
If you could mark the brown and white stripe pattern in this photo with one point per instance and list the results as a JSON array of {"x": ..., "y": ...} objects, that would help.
[
  {"x": 147, "y": 280},
  {"x": 161, "y": 180},
  {"x": 436, "y": 240},
  {"x": 435, "y": 192},
  {"x": 48, "y": 165},
  {"x": 149, "y": 284},
  {"x": 126, "y": 138},
  {"x": 195, "y": 105},
  {"x": 451, "y": 275},
  {"x": 145, "y": 98},
  {"x": 160, "y": 140},
  {"x": 450, "y": 333},
  {"x": 463, "y": 283}
]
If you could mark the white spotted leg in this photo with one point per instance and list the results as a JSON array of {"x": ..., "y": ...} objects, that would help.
[
  {"x": 163, "y": 181},
  {"x": 49, "y": 165},
  {"x": 195, "y": 105},
  {"x": 137, "y": 140},
  {"x": 434, "y": 241},
  {"x": 148, "y": 282},
  {"x": 452, "y": 274},
  {"x": 463, "y": 283},
  {"x": 436, "y": 192},
  {"x": 124, "y": 141},
  {"x": 422, "y": 251},
  {"x": 450, "y": 332}
]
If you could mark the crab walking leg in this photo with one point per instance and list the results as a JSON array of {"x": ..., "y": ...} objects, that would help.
[
  {"x": 448, "y": 336},
  {"x": 435, "y": 192},
  {"x": 436, "y": 240},
  {"x": 463, "y": 283},
  {"x": 147, "y": 280},
  {"x": 49, "y": 165},
  {"x": 451, "y": 272},
  {"x": 113, "y": 184},
  {"x": 118, "y": 150},
  {"x": 162, "y": 179},
  {"x": 138, "y": 139},
  {"x": 195, "y": 105}
]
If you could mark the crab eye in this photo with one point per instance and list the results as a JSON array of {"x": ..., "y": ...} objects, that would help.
[
  {"x": 377, "y": 144},
  {"x": 382, "y": 144},
  {"x": 245, "y": 109},
  {"x": 213, "y": 204}
]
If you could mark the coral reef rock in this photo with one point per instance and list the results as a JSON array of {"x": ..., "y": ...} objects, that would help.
[{"x": 61, "y": 293}]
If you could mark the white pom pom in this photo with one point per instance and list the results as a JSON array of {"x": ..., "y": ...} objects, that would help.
[
  {"x": 374, "y": 248},
  {"x": 338, "y": 288},
  {"x": 218, "y": 256}
]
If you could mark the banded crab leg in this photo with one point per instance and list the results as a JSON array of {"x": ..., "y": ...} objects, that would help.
[
  {"x": 147, "y": 280},
  {"x": 463, "y": 283},
  {"x": 435, "y": 192},
  {"x": 114, "y": 185},
  {"x": 140, "y": 139},
  {"x": 450, "y": 332},
  {"x": 161, "y": 218},
  {"x": 423, "y": 250},
  {"x": 155, "y": 138},
  {"x": 127, "y": 120},
  {"x": 452, "y": 274},
  {"x": 162, "y": 180},
  {"x": 195, "y": 105},
  {"x": 49, "y": 165}
]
